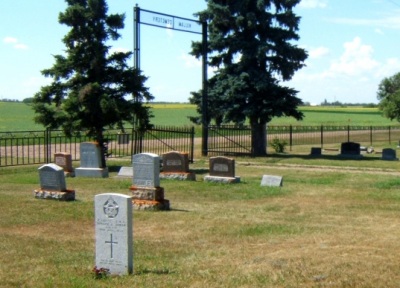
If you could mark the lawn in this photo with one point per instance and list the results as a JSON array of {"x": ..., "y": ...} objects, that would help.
[{"x": 333, "y": 223}]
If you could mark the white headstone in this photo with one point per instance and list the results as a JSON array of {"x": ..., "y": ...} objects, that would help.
[
  {"x": 271, "y": 181},
  {"x": 52, "y": 177},
  {"x": 146, "y": 170},
  {"x": 114, "y": 233}
]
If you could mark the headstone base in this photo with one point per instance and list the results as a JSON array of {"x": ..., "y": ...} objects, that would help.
[
  {"x": 147, "y": 193},
  {"x": 190, "y": 176},
  {"x": 91, "y": 172},
  {"x": 227, "y": 180},
  {"x": 351, "y": 156},
  {"x": 68, "y": 195},
  {"x": 150, "y": 205}
]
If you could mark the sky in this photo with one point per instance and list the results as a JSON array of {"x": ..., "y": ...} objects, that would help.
[{"x": 352, "y": 45}]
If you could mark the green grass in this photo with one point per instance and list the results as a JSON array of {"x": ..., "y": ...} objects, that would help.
[
  {"x": 19, "y": 116},
  {"x": 325, "y": 227}
]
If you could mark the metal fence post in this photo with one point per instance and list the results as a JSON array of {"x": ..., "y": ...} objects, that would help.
[{"x": 322, "y": 136}]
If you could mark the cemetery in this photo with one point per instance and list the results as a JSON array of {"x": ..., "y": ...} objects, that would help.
[
  {"x": 315, "y": 226},
  {"x": 206, "y": 217}
]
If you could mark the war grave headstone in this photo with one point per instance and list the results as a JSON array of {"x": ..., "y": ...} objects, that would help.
[
  {"x": 146, "y": 191},
  {"x": 222, "y": 169},
  {"x": 114, "y": 233},
  {"x": 272, "y": 181},
  {"x": 350, "y": 150},
  {"x": 52, "y": 184},
  {"x": 389, "y": 154},
  {"x": 176, "y": 166},
  {"x": 64, "y": 160},
  {"x": 90, "y": 153}
]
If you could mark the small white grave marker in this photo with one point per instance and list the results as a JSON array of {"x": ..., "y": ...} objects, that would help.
[{"x": 272, "y": 181}]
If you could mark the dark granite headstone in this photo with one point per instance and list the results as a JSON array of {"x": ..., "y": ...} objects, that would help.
[
  {"x": 350, "y": 148},
  {"x": 389, "y": 154},
  {"x": 222, "y": 167},
  {"x": 175, "y": 162}
]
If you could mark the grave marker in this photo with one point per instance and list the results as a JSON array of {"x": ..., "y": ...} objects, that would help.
[
  {"x": 64, "y": 160},
  {"x": 222, "y": 169},
  {"x": 52, "y": 184},
  {"x": 389, "y": 154},
  {"x": 272, "y": 181},
  {"x": 146, "y": 191},
  {"x": 176, "y": 166},
  {"x": 114, "y": 233},
  {"x": 350, "y": 149},
  {"x": 90, "y": 153}
]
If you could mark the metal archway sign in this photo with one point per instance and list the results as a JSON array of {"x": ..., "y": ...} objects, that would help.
[{"x": 166, "y": 21}]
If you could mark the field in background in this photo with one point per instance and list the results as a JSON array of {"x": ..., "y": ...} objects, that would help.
[{"x": 19, "y": 116}]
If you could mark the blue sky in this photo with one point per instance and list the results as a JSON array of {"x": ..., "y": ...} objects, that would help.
[{"x": 352, "y": 46}]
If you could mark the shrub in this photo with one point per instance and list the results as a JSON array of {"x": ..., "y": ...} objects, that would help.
[{"x": 278, "y": 145}]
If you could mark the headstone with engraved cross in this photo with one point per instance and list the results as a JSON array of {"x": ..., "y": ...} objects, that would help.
[{"x": 114, "y": 233}]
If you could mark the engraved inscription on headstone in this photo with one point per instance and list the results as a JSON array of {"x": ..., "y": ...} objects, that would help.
[
  {"x": 175, "y": 162},
  {"x": 146, "y": 170},
  {"x": 114, "y": 233},
  {"x": 52, "y": 177},
  {"x": 90, "y": 155},
  {"x": 222, "y": 167},
  {"x": 64, "y": 160}
]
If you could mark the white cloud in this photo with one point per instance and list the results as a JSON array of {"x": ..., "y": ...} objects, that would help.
[
  {"x": 356, "y": 60},
  {"x": 20, "y": 46},
  {"x": 14, "y": 41},
  {"x": 388, "y": 22},
  {"x": 309, "y": 4},
  {"x": 10, "y": 40},
  {"x": 318, "y": 52}
]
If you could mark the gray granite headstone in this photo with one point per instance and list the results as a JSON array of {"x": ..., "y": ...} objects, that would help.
[
  {"x": 52, "y": 177},
  {"x": 271, "y": 181},
  {"x": 175, "y": 162},
  {"x": 389, "y": 154},
  {"x": 90, "y": 155},
  {"x": 91, "y": 166},
  {"x": 222, "y": 167},
  {"x": 146, "y": 170},
  {"x": 114, "y": 233}
]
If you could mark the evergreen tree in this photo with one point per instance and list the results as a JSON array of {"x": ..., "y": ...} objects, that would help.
[
  {"x": 251, "y": 43},
  {"x": 92, "y": 88}
]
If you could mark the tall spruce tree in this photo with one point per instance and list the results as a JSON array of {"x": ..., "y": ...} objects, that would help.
[
  {"x": 251, "y": 44},
  {"x": 92, "y": 88}
]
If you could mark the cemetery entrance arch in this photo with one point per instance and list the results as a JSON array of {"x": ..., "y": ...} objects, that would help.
[{"x": 166, "y": 21}]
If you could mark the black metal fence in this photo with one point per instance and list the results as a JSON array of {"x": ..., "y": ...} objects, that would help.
[
  {"x": 232, "y": 140},
  {"x": 38, "y": 147}
]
